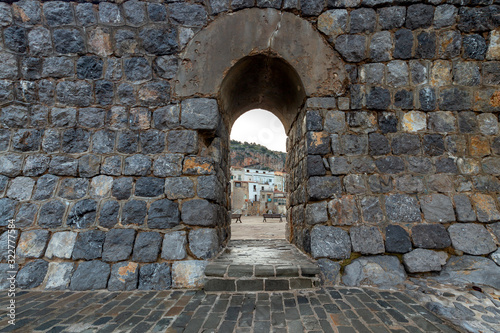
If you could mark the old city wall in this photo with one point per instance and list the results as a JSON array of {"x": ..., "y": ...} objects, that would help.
[{"x": 114, "y": 122}]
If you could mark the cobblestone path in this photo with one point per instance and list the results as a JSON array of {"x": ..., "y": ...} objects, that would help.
[{"x": 339, "y": 310}]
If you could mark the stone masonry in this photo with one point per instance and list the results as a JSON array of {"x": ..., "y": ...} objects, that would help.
[{"x": 114, "y": 134}]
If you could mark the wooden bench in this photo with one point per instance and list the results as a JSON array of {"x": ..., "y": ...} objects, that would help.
[
  {"x": 272, "y": 216},
  {"x": 237, "y": 217}
]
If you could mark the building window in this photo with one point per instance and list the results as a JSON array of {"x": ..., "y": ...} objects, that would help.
[
  {"x": 237, "y": 184},
  {"x": 255, "y": 187},
  {"x": 262, "y": 188}
]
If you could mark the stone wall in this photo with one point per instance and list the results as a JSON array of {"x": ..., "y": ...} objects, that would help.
[{"x": 115, "y": 179}]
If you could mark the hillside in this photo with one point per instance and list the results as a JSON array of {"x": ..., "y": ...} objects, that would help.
[{"x": 244, "y": 154}]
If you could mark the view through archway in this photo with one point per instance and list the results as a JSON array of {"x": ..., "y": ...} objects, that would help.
[{"x": 258, "y": 176}]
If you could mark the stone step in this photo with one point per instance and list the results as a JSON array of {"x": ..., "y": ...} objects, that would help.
[{"x": 261, "y": 266}]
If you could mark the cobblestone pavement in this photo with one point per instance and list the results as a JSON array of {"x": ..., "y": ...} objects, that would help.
[{"x": 338, "y": 310}]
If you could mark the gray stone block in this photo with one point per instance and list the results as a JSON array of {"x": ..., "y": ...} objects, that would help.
[
  {"x": 335, "y": 122},
  {"x": 134, "y": 12},
  {"x": 128, "y": 142},
  {"x": 363, "y": 20},
  {"x": 319, "y": 188},
  {"x": 168, "y": 165},
  {"x": 118, "y": 245},
  {"x": 74, "y": 93},
  {"x": 437, "y": 208},
  {"x": 402, "y": 208},
  {"x": 11, "y": 164},
  {"x": 367, "y": 240},
  {"x": 378, "y": 144},
  {"x": 137, "y": 69},
  {"x": 390, "y": 164},
  {"x": 397, "y": 239},
  {"x": 315, "y": 166},
  {"x": 152, "y": 142},
  {"x": 25, "y": 140},
  {"x": 380, "y": 271},
  {"x": 371, "y": 209},
  {"x": 134, "y": 212},
  {"x": 463, "y": 206},
  {"x": 188, "y": 273},
  {"x": 108, "y": 215},
  {"x": 163, "y": 214},
  {"x": 474, "y": 46},
  {"x": 51, "y": 214},
  {"x": 59, "y": 275},
  {"x": 149, "y": 187},
  {"x": 420, "y": 260},
  {"x": 199, "y": 212},
  {"x": 36, "y": 165},
  {"x": 208, "y": 187},
  {"x": 316, "y": 213},
  {"x": 122, "y": 188},
  {"x": 61, "y": 245},
  {"x": 109, "y": 13},
  {"x": 32, "y": 274},
  {"x": 159, "y": 41},
  {"x": 15, "y": 39},
  {"x": 58, "y": 67},
  {"x": 137, "y": 165},
  {"x": 155, "y": 277},
  {"x": 88, "y": 245},
  {"x": 8, "y": 237},
  {"x": 89, "y": 165},
  {"x": 204, "y": 243},
  {"x": 174, "y": 246},
  {"x": 200, "y": 113},
  {"x": 45, "y": 187},
  {"x": 68, "y": 40},
  {"x": 486, "y": 208},
  {"x": 124, "y": 276},
  {"x": 112, "y": 166},
  {"x": 147, "y": 247},
  {"x": 90, "y": 275},
  {"x": 351, "y": 47},
  {"x": 391, "y": 17},
  {"x": 378, "y": 98},
  {"x": 63, "y": 117},
  {"x": 8, "y": 66},
  {"x": 82, "y": 214},
  {"x": 20, "y": 188},
  {"x": 32, "y": 244},
  {"x": 471, "y": 238},
  {"x": 103, "y": 141},
  {"x": 85, "y": 14},
  {"x": 329, "y": 272},
  {"x": 73, "y": 188},
  {"x": 39, "y": 41},
  {"x": 430, "y": 236},
  {"x": 330, "y": 242},
  {"x": 5, "y": 15},
  {"x": 339, "y": 165},
  {"x": 166, "y": 117}
]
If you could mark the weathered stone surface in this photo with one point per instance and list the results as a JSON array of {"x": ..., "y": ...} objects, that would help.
[
  {"x": 402, "y": 208},
  {"x": 134, "y": 212},
  {"x": 330, "y": 242},
  {"x": 378, "y": 98},
  {"x": 351, "y": 47},
  {"x": 390, "y": 164},
  {"x": 463, "y": 207},
  {"x": 36, "y": 165},
  {"x": 82, "y": 214},
  {"x": 403, "y": 44},
  {"x": 204, "y": 243},
  {"x": 471, "y": 238},
  {"x": 51, "y": 214},
  {"x": 163, "y": 214},
  {"x": 200, "y": 113},
  {"x": 188, "y": 273},
  {"x": 108, "y": 215},
  {"x": 414, "y": 121},
  {"x": 9, "y": 237},
  {"x": 329, "y": 272},
  {"x": 323, "y": 187},
  {"x": 316, "y": 213},
  {"x": 335, "y": 122},
  {"x": 20, "y": 188},
  {"x": 367, "y": 240},
  {"x": 90, "y": 275},
  {"x": 333, "y": 22},
  {"x": 199, "y": 212},
  {"x": 315, "y": 166},
  {"x": 420, "y": 260},
  {"x": 137, "y": 165},
  {"x": 147, "y": 247},
  {"x": 124, "y": 276},
  {"x": 89, "y": 166},
  {"x": 61, "y": 245},
  {"x": 380, "y": 271},
  {"x": 109, "y": 13},
  {"x": 118, "y": 244},
  {"x": 371, "y": 209},
  {"x": 58, "y": 275},
  {"x": 344, "y": 211},
  {"x": 430, "y": 236},
  {"x": 88, "y": 245},
  {"x": 155, "y": 277},
  {"x": 485, "y": 207},
  {"x": 11, "y": 164},
  {"x": 73, "y": 188},
  {"x": 470, "y": 269},
  {"x": 112, "y": 166},
  {"x": 149, "y": 187},
  {"x": 32, "y": 274},
  {"x": 442, "y": 121},
  {"x": 7, "y": 210},
  {"x": 445, "y": 16},
  {"x": 437, "y": 208},
  {"x": 397, "y": 239},
  {"x": 168, "y": 165},
  {"x": 85, "y": 14},
  {"x": 32, "y": 243},
  {"x": 174, "y": 246}
]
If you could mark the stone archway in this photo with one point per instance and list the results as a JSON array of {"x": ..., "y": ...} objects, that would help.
[{"x": 261, "y": 58}]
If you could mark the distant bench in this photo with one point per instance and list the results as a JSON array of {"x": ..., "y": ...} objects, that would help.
[
  {"x": 237, "y": 217},
  {"x": 272, "y": 216}
]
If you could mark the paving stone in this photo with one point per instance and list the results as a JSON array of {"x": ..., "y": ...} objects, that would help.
[
  {"x": 174, "y": 245},
  {"x": 163, "y": 214},
  {"x": 367, "y": 240},
  {"x": 368, "y": 271},
  {"x": 430, "y": 236},
  {"x": 90, "y": 275},
  {"x": 204, "y": 243},
  {"x": 118, "y": 244},
  {"x": 471, "y": 238},
  {"x": 59, "y": 275},
  {"x": 61, "y": 245},
  {"x": 124, "y": 276},
  {"x": 147, "y": 247},
  {"x": 330, "y": 242},
  {"x": 88, "y": 245},
  {"x": 32, "y": 274}
]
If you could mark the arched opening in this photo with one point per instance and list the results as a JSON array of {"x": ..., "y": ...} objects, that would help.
[
  {"x": 267, "y": 82},
  {"x": 258, "y": 177}
]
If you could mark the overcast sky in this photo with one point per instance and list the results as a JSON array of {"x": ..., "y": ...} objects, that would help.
[{"x": 262, "y": 127}]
